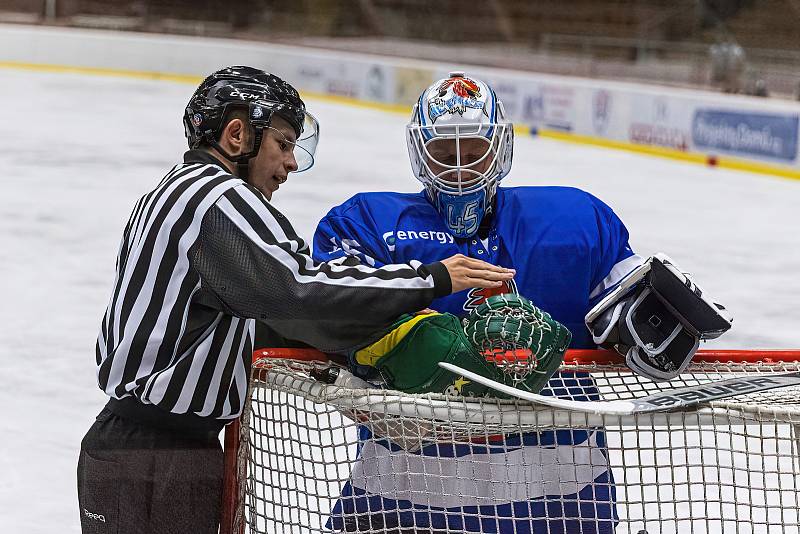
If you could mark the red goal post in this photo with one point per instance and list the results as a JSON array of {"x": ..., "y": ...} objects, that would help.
[{"x": 710, "y": 362}]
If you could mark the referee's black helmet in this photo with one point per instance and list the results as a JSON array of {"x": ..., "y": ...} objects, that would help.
[{"x": 263, "y": 96}]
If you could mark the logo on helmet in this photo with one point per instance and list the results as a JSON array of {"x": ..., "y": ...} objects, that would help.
[
  {"x": 197, "y": 119},
  {"x": 455, "y": 95},
  {"x": 463, "y": 87},
  {"x": 478, "y": 295},
  {"x": 244, "y": 95},
  {"x": 257, "y": 112}
]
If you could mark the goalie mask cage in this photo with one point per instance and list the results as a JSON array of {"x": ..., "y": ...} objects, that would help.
[{"x": 727, "y": 466}]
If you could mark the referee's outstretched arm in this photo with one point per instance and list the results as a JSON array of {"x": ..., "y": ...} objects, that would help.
[{"x": 252, "y": 264}]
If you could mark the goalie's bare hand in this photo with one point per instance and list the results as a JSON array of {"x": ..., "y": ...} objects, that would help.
[{"x": 466, "y": 273}]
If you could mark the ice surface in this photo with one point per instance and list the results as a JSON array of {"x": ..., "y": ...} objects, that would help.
[{"x": 77, "y": 151}]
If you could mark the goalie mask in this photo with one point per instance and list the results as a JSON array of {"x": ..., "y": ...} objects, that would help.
[{"x": 460, "y": 145}]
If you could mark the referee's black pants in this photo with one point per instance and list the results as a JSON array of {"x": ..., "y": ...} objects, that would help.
[{"x": 135, "y": 478}]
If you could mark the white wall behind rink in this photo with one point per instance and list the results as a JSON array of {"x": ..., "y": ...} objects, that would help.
[{"x": 680, "y": 120}]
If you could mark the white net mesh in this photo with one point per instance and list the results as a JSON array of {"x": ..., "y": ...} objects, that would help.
[{"x": 429, "y": 463}]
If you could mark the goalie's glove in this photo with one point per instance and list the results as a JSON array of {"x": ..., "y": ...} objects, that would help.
[
  {"x": 507, "y": 333},
  {"x": 656, "y": 318},
  {"x": 524, "y": 342}
]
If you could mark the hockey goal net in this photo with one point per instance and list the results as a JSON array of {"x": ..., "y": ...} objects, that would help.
[{"x": 727, "y": 466}]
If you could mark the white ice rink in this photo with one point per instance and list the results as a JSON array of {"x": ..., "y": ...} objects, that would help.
[{"x": 77, "y": 151}]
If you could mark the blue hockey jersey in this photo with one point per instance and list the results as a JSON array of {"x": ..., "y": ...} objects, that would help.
[{"x": 569, "y": 249}]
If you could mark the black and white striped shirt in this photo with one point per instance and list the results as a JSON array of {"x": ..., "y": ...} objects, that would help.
[{"x": 202, "y": 257}]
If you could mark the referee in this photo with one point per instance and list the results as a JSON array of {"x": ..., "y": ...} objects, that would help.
[{"x": 203, "y": 256}]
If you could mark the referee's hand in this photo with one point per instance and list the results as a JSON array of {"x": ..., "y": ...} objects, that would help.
[{"x": 468, "y": 272}]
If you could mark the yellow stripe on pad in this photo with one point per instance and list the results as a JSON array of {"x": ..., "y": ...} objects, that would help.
[{"x": 370, "y": 354}]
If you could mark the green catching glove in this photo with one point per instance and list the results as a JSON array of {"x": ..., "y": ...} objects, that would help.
[
  {"x": 524, "y": 342},
  {"x": 507, "y": 339}
]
